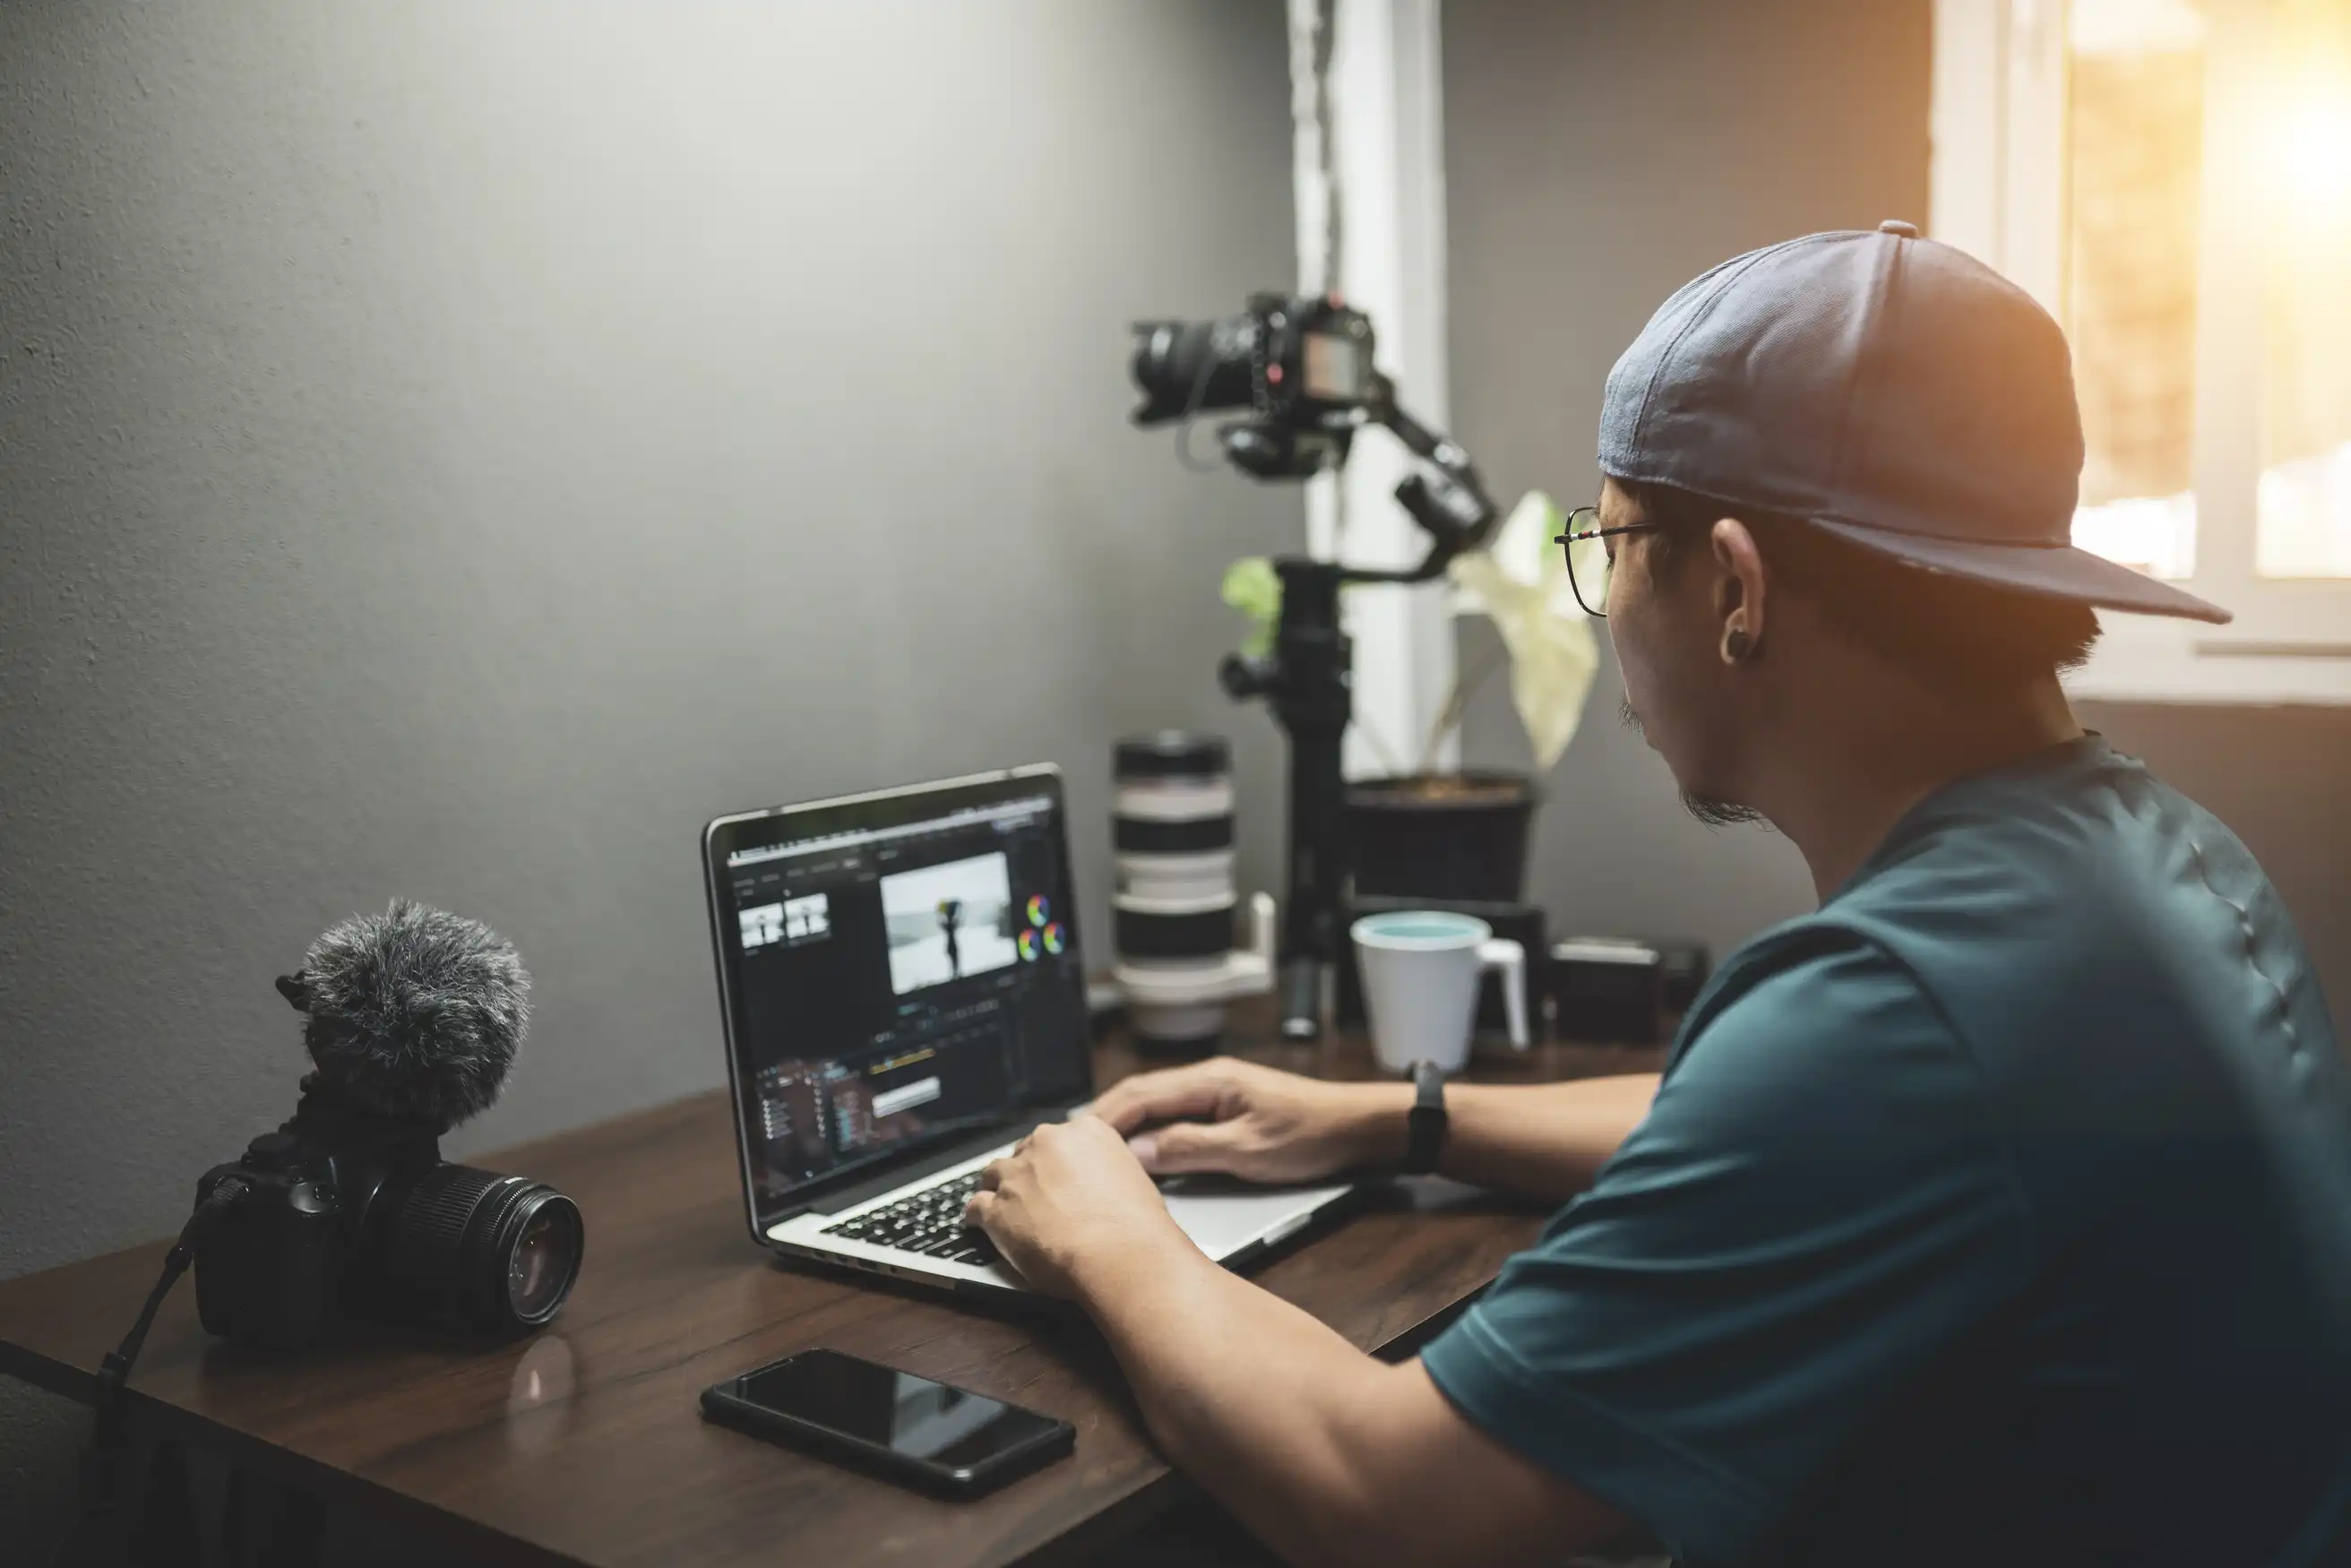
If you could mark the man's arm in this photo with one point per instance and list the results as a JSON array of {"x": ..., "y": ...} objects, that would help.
[
  {"x": 1541, "y": 1141},
  {"x": 1326, "y": 1454},
  {"x": 1820, "y": 1206}
]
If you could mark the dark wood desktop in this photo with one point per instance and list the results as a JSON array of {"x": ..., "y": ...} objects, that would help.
[{"x": 584, "y": 1444}]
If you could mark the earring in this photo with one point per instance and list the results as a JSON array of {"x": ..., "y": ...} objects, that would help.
[{"x": 1736, "y": 645}]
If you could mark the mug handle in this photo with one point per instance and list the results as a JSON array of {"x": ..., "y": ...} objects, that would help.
[{"x": 1510, "y": 958}]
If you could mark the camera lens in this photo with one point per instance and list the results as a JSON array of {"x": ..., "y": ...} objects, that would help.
[
  {"x": 545, "y": 1261},
  {"x": 1185, "y": 368},
  {"x": 498, "y": 1251}
]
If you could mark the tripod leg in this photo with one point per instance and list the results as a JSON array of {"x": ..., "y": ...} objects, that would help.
[{"x": 1301, "y": 998}]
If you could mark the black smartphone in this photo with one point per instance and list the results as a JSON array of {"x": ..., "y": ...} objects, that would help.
[{"x": 931, "y": 1434}]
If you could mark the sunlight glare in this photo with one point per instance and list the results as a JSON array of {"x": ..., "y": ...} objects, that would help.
[{"x": 2312, "y": 144}]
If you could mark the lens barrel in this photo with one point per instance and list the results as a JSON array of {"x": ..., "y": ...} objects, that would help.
[
  {"x": 499, "y": 1253},
  {"x": 1185, "y": 368},
  {"x": 1172, "y": 828}
]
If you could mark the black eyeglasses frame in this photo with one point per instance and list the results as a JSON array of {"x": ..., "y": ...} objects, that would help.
[{"x": 1573, "y": 536}]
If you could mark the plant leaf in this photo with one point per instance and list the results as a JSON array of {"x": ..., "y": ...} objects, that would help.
[
  {"x": 1520, "y": 582},
  {"x": 1253, "y": 588}
]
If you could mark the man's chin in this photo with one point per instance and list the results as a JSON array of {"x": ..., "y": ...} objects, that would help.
[{"x": 1706, "y": 808}]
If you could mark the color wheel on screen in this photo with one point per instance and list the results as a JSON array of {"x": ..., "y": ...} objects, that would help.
[
  {"x": 1028, "y": 944},
  {"x": 1056, "y": 939},
  {"x": 1040, "y": 911}
]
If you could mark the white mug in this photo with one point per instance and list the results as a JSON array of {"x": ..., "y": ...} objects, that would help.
[{"x": 1421, "y": 969}]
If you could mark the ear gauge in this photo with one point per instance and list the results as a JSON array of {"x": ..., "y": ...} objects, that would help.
[{"x": 1737, "y": 644}]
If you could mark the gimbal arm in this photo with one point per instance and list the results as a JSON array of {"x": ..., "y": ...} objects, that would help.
[{"x": 1448, "y": 500}]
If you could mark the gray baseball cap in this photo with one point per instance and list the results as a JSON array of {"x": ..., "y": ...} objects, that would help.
[{"x": 1893, "y": 390}]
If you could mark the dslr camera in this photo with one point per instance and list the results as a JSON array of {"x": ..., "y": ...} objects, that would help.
[
  {"x": 1301, "y": 363},
  {"x": 413, "y": 1018}
]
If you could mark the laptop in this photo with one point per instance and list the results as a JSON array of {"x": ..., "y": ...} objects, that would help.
[{"x": 904, "y": 996}]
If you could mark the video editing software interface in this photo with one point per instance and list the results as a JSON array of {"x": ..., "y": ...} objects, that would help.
[{"x": 899, "y": 982}]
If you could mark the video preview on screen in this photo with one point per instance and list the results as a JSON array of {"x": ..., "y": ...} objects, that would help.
[{"x": 949, "y": 921}]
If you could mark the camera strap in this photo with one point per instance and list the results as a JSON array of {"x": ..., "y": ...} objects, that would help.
[{"x": 97, "y": 1536}]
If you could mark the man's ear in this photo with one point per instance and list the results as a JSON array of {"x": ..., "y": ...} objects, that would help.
[{"x": 1741, "y": 599}]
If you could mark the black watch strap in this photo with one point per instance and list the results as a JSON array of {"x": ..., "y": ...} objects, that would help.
[{"x": 1426, "y": 1125}]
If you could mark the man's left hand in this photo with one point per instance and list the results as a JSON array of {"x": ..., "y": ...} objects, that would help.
[{"x": 1072, "y": 1196}]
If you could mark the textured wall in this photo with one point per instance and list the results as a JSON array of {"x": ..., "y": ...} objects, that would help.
[
  {"x": 456, "y": 447},
  {"x": 1597, "y": 157}
]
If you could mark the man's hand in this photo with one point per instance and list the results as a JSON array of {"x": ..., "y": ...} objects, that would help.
[
  {"x": 1255, "y": 1121},
  {"x": 1072, "y": 1196}
]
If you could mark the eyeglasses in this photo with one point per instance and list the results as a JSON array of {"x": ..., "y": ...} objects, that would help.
[{"x": 1590, "y": 581}]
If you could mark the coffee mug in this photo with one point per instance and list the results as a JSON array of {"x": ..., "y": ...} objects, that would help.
[{"x": 1421, "y": 970}]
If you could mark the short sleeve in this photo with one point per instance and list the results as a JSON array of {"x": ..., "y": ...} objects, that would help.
[{"x": 1815, "y": 1209}]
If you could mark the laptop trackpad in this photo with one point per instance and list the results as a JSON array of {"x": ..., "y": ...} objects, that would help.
[{"x": 1223, "y": 1216}]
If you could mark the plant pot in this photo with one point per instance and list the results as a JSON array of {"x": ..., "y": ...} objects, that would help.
[{"x": 1441, "y": 835}]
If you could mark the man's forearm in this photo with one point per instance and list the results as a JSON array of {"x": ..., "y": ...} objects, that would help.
[
  {"x": 1240, "y": 1390},
  {"x": 1543, "y": 1141},
  {"x": 1324, "y": 1453}
]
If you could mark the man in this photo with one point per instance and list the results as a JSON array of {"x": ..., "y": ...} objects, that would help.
[
  {"x": 950, "y": 923},
  {"x": 1999, "y": 1212}
]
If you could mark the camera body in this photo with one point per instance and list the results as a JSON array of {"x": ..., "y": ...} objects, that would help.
[
  {"x": 348, "y": 1212},
  {"x": 1302, "y": 363}
]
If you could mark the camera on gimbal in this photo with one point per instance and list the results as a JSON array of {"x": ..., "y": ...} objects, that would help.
[{"x": 1302, "y": 363}]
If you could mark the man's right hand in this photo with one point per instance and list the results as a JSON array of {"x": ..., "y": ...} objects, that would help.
[{"x": 1256, "y": 1121}]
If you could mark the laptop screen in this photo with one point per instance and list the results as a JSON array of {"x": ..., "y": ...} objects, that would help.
[{"x": 898, "y": 969}]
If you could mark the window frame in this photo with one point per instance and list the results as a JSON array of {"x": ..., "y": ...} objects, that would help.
[{"x": 1997, "y": 189}]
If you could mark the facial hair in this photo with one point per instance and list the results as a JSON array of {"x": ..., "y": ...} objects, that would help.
[
  {"x": 1713, "y": 812},
  {"x": 1717, "y": 813}
]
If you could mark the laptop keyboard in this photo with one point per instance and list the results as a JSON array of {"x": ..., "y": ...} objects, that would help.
[{"x": 928, "y": 1221}]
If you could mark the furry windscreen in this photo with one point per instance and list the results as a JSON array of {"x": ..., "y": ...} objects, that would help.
[{"x": 415, "y": 1013}]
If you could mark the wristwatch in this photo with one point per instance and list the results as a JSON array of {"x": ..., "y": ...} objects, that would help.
[{"x": 1425, "y": 1126}]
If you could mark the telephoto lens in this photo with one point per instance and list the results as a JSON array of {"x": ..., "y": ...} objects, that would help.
[{"x": 1176, "y": 904}]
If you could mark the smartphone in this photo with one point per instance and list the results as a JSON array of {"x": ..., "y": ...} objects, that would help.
[{"x": 908, "y": 1428}]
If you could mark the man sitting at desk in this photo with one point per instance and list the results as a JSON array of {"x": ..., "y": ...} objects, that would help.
[{"x": 1999, "y": 1212}]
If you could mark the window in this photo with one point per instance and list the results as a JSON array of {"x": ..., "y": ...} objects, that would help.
[
  {"x": 2135, "y": 128},
  {"x": 2172, "y": 178},
  {"x": 2303, "y": 507}
]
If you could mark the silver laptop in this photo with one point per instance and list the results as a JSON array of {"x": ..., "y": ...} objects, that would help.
[{"x": 904, "y": 996}]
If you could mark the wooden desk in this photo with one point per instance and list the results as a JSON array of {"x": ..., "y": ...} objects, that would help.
[{"x": 584, "y": 1444}]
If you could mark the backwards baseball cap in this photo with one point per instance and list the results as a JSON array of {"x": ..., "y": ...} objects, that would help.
[{"x": 1892, "y": 389}]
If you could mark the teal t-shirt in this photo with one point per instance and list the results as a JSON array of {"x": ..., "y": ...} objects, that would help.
[{"x": 1997, "y": 1212}]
